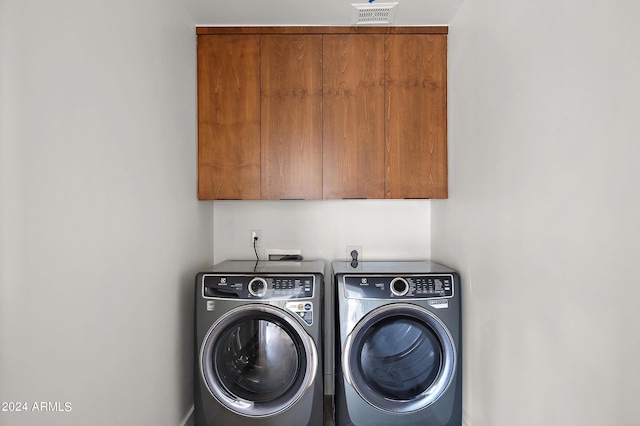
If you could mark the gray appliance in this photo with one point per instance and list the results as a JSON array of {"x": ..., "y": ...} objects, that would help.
[
  {"x": 398, "y": 344},
  {"x": 258, "y": 344}
]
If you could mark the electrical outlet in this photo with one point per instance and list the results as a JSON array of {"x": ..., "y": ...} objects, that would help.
[
  {"x": 358, "y": 250},
  {"x": 256, "y": 233}
]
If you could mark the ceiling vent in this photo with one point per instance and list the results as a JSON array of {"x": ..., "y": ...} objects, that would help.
[{"x": 370, "y": 14}]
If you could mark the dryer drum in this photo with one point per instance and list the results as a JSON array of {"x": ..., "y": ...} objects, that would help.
[
  {"x": 400, "y": 358},
  {"x": 257, "y": 361}
]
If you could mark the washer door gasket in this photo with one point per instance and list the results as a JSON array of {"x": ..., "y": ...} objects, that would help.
[
  {"x": 400, "y": 358},
  {"x": 258, "y": 361}
]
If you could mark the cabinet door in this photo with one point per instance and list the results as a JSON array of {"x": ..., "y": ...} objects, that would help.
[
  {"x": 228, "y": 117},
  {"x": 353, "y": 109},
  {"x": 416, "y": 116},
  {"x": 291, "y": 117}
]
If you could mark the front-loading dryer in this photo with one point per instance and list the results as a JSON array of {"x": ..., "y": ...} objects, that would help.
[
  {"x": 398, "y": 344},
  {"x": 258, "y": 344}
]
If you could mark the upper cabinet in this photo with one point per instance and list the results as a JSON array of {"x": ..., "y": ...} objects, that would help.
[
  {"x": 291, "y": 117},
  {"x": 322, "y": 112},
  {"x": 229, "y": 117},
  {"x": 354, "y": 116},
  {"x": 416, "y": 116}
]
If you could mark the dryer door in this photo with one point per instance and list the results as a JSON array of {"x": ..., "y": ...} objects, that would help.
[
  {"x": 257, "y": 360},
  {"x": 400, "y": 358}
]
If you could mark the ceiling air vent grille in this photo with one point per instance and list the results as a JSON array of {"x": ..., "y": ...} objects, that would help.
[{"x": 369, "y": 14}]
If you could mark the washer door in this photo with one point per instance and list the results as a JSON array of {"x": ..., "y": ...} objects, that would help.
[
  {"x": 400, "y": 358},
  {"x": 257, "y": 360}
]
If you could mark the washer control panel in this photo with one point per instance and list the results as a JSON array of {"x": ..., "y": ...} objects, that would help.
[
  {"x": 398, "y": 287},
  {"x": 263, "y": 287}
]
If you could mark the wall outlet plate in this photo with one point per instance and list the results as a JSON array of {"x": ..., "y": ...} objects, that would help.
[{"x": 253, "y": 233}]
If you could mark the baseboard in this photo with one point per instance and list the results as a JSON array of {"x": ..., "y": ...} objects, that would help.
[{"x": 188, "y": 419}]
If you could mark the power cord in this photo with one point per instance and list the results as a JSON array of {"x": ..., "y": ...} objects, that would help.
[{"x": 255, "y": 249}]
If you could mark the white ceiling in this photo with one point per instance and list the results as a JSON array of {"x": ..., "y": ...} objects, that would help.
[{"x": 308, "y": 12}]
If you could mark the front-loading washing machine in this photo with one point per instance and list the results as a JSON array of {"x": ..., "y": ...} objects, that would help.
[
  {"x": 258, "y": 344},
  {"x": 398, "y": 344}
]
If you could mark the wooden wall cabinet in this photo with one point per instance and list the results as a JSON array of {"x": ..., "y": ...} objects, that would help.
[
  {"x": 322, "y": 112},
  {"x": 416, "y": 116},
  {"x": 354, "y": 116},
  {"x": 229, "y": 117},
  {"x": 291, "y": 117}
]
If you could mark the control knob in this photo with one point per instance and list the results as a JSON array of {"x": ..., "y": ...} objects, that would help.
[
  {"x": 258, "y": 287},
  {"x": 399, "y": 286}
]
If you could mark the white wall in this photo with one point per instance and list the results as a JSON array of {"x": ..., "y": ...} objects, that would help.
[
  {"x": 542, "y": 218},
  {"x": 385, "y": 229},
  {"x": 100, "y": 230}
]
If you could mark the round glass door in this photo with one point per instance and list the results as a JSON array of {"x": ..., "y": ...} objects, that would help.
[
  {"x": 258, "y": 361},
  {"x": 400, "y": 358}
]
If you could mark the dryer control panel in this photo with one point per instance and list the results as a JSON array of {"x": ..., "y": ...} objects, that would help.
[
  {"x": 398, "y": 287},
  {"x": 263, "y": 287}
]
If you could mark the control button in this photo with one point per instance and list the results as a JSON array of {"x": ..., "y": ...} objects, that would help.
[
  {"x": 399, "y": 286},
  {"x": 258, "y": 287},
  {"x": 307, "y": 306}
]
